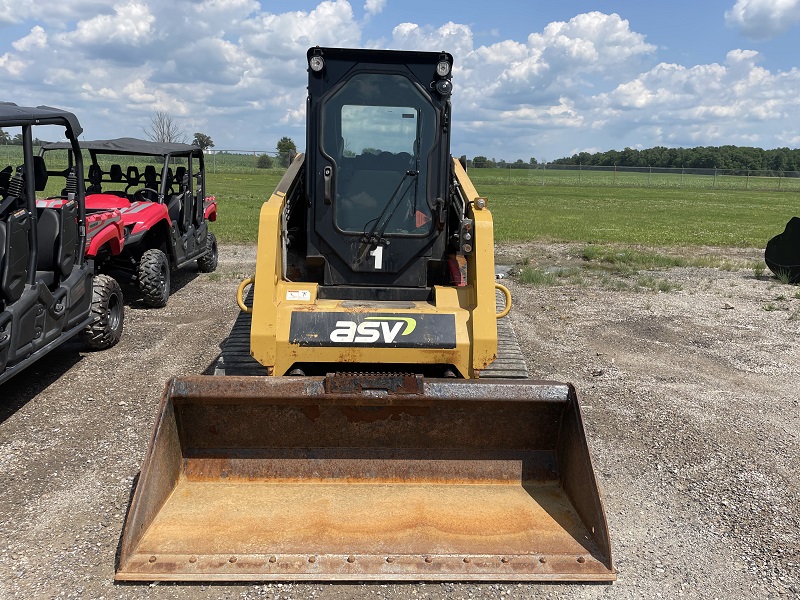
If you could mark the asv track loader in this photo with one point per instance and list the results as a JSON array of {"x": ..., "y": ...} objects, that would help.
[{"x": 371, "y": 446}]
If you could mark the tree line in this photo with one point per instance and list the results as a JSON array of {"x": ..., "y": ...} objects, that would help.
[{"x": 733, "y": 158}]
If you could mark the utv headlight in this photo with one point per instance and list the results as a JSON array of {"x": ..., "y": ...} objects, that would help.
[{"x": 443, "y": 68}]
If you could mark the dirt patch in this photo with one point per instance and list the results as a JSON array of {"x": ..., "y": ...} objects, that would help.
[{"x": 689, "y": 400}]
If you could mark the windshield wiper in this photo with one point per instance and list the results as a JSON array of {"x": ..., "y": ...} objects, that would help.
[{"x": 382, "y": 223}]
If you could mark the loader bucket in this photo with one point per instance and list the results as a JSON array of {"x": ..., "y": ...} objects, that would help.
[{"x": 366, "y": 478}]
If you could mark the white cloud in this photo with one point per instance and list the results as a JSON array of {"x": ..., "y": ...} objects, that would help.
[
  {"x": 37, "y": 38},
  {"x": 589, "y": 82},
  {"x": 55, "y": 12},
  {"x": 735, "y": 102},
  {"x": 544, "y": 82},
  {"x": 455, "y": 38},
  {"x": 374, "y": 7},
  {"x": 289, "y": 35},
  {"x": 132, "y": 24},
  {"x": 12, "y": 64},
  {"x": 590, "y": 41},
  {"x": 763, "y": 19}
]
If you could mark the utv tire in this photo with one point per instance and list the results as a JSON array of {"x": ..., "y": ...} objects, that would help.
[
  {"x": 208, "y": 262},
  {"x": 108, "y": 314},
  {"x": 154, "y": 278}
]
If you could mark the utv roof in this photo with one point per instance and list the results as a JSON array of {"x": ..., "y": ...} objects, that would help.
[
  {"x": 128, "y": 145},
  {"x": 12, "y": 115}
]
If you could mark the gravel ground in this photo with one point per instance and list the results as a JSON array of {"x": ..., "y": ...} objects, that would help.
[{"x": 689, "y": 397}]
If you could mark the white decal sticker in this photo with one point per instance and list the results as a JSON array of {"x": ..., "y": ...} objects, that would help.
[
  {"x": 298, "y": 295},
  {"x": 378, "y": 254}
]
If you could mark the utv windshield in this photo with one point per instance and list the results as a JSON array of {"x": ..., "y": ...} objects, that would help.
[{"x": 379, "y": 131}]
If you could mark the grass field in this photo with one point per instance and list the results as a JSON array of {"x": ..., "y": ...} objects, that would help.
[
  {"x": 588, "y": 205},
  {"x": 644, "y": 177},
  {"x": 655, "y": 216}
]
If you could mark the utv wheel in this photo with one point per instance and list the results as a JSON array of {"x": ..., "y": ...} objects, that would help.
[
  {"x": 208, "y": 262},
  {"x": 108, "y": 314},
  {"x": 153, "y": 278}
]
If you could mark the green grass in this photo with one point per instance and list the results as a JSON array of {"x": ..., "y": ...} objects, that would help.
[
  {"x": 646, "y": 216},
  {"x": 547, "y": 277},
  {"x": 239, "y": 200},
  {"x": 642, "y": 177},
  {"x": 599, "y": 215}
]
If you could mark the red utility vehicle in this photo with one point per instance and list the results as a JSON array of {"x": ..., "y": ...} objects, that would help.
[{"x": 159, "y": 191}]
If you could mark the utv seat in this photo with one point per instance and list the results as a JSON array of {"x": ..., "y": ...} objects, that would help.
[
  {"x": 57, "y": 241},
  {"x": 116, "y": 175},
  {"x": 176, "y": 204},
  {"x": 14, "y": 243},
  {"x": 150, "y": 182},
  {"x": 132, "y": 177},
  {"x": 182, "y": 177},
  {"x": 95, "y": 178},
  {"x": 5, "y": 178},
  {"x": 14, "y": 254},
  {"x": 47, "y": 229}
]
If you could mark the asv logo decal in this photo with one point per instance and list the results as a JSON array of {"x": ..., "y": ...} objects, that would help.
[{"x": 372, "y": 330}]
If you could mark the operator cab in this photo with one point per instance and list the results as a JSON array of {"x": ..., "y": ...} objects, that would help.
[{"x": 377, "y": 169}]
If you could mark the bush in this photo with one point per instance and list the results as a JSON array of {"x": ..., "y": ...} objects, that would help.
[{"x": 264, "y": 162}]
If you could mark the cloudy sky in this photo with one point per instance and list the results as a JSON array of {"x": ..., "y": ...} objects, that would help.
[{"x": 537, "y": 79}]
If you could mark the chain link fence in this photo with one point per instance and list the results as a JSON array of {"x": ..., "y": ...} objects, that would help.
[
  {"x": 545, "y": 174},
  {"x": 245, "y": 161},
  {"x": 217, "y": 161},
  {"x": 642, "y": 177}
]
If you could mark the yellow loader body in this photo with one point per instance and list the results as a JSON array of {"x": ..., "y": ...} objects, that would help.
[{"x": 469, "y": 310}]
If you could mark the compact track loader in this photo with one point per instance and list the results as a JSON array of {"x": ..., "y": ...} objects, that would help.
[{"x": 370, "y": 443}]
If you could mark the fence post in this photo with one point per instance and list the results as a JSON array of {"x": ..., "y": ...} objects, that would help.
[
  {"x": 714, "y": 186},
  {"x": 544, "y": 168}
]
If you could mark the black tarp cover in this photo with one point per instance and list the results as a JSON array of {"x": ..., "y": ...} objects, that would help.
[{"x": 782, "y": 254}]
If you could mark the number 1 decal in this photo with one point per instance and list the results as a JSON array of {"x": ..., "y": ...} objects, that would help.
[{"x": 378, "y": 254}]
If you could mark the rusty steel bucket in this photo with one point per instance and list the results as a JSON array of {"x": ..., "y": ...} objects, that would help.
[{"x": 366, "y": 478}]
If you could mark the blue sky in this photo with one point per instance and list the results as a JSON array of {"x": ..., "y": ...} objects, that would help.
[{"x": 532, "y": 79}]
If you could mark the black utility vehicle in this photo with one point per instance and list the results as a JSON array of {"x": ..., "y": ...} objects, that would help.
[{"x": 48, "y": 288}]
